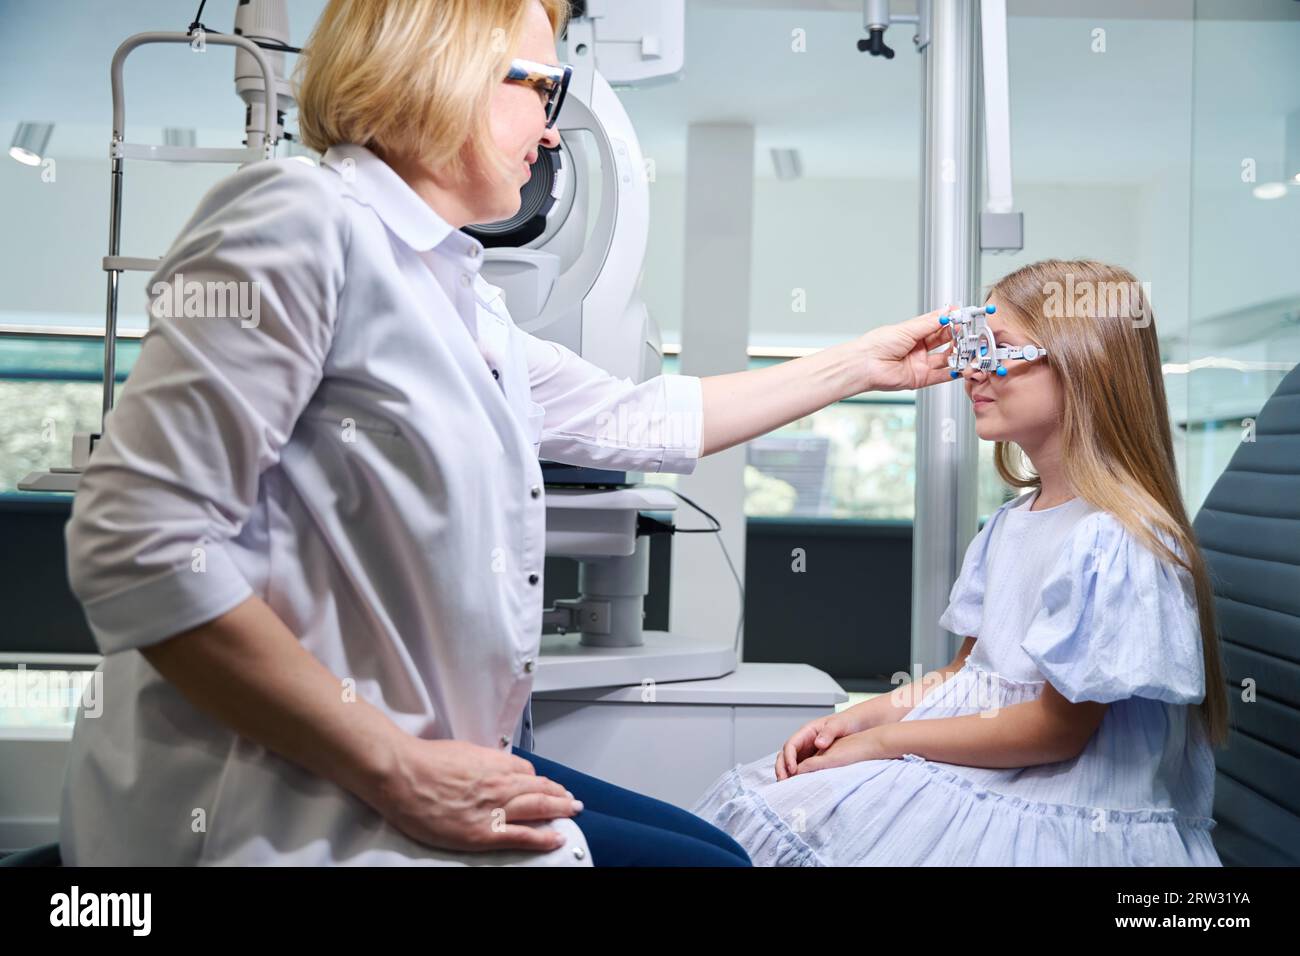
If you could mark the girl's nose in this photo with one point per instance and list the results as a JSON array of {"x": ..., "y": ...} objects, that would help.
[{"x": 551, "y": 138}]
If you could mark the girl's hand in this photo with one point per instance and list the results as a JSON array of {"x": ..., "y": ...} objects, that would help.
[
  {"x": 898, "y": 356},
  {"x": 814, "y": 736},
  {"x": 866, "y": 744},
  {"x": 460, "y": 796}
]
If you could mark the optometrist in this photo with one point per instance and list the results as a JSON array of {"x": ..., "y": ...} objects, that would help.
[{"x": 310, "y": 546}]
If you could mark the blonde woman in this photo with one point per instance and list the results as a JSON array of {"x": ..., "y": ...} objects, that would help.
[
  {"x": 1076, "y": 725},
  {"x": 310, "y": 547}
]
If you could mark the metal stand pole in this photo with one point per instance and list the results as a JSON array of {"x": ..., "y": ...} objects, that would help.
[{"x": 946, "y": 518}]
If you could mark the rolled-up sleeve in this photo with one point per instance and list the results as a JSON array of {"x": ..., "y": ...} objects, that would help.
[
  {"x": 212, "y": 400},
  {"x": 597, "y": 420}
]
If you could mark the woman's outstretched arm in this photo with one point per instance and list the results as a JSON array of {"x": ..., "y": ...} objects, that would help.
[{"x": 739, "y": 406}]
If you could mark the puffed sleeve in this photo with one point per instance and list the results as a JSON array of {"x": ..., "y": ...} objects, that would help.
[
  {"x": 1117, "y": 621},
  {"x": 597, "y": 420},
  {"x": 229, "y": 362},
  {"x": 965, "y": 613}
]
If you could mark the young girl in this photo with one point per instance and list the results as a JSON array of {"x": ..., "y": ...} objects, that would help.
[{"x": 1075, "y": 726}]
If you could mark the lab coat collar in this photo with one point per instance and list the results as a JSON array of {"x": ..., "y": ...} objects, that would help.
[{"x": 407, "y": 216}]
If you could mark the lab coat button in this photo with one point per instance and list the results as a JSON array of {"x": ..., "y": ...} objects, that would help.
[
  {"x": 530, "y": 665},
  {"x": 578, "y": 854},
  {"x": 496, "y": 374},
  {"x": 505, "y": 741},
  {"x": 535, "y": 491},
  {"x": 473, "y": 252},
  {"x": 532, "y": 579}
]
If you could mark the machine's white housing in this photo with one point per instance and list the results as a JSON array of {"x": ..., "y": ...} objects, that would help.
[
  {"x": 635, "y": 43},
  {"x": 578, "y": 286},
  {"x": 553, "y": 284}
]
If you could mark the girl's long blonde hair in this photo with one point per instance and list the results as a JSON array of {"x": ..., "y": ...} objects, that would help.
[
  {"x": 411, "y": 78},
  {"x": 1096, "y": 323}
]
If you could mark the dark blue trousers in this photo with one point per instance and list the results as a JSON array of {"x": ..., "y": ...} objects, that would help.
[{"x": 624, "y": 828}]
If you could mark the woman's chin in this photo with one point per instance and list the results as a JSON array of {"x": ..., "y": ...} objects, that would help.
[
  {"x": 506, "y": 210},
  {"x": 501, "y": 207}
]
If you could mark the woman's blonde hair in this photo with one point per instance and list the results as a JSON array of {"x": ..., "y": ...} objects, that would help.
[
  {"x": 1117, "y": 451},
  {"x": 411, "y": 78}
]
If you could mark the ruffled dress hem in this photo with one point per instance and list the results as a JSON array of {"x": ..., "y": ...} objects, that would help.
[{"x": 928, "y": 815}]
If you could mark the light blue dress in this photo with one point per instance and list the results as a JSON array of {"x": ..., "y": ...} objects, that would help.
[{"x": 1065, "y": 595}]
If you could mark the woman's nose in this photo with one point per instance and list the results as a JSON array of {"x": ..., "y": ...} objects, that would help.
[{"x": 551, "y": 138}]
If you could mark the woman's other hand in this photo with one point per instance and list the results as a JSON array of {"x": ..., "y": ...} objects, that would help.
[
  {"x": 460, "y": 796},
  {"x": 898, "y": 356}
]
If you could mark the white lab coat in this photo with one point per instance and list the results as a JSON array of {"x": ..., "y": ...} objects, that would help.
[{"x": 349, "y": 456}]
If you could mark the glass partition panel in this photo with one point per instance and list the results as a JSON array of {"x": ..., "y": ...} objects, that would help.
[{"x": 1243, "y": 333}]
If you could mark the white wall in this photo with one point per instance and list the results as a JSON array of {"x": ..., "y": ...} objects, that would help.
[{"x": 852, "y": 246}]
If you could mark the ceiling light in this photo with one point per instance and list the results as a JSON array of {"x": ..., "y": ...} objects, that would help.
[
  {"x": 1269, "y": 190},
  {"x": 30, "y": 142}
]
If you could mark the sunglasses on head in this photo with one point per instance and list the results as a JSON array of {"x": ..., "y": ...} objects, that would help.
[{"x": 551, "y": 82}]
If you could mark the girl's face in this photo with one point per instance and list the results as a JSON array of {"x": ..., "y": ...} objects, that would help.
[
  {"x": 518, "y": 124},
  {"x": 1024, "y": 406}
]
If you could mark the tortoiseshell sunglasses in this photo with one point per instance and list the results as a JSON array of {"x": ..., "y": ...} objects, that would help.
[{"x": 552, "y": 82}]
